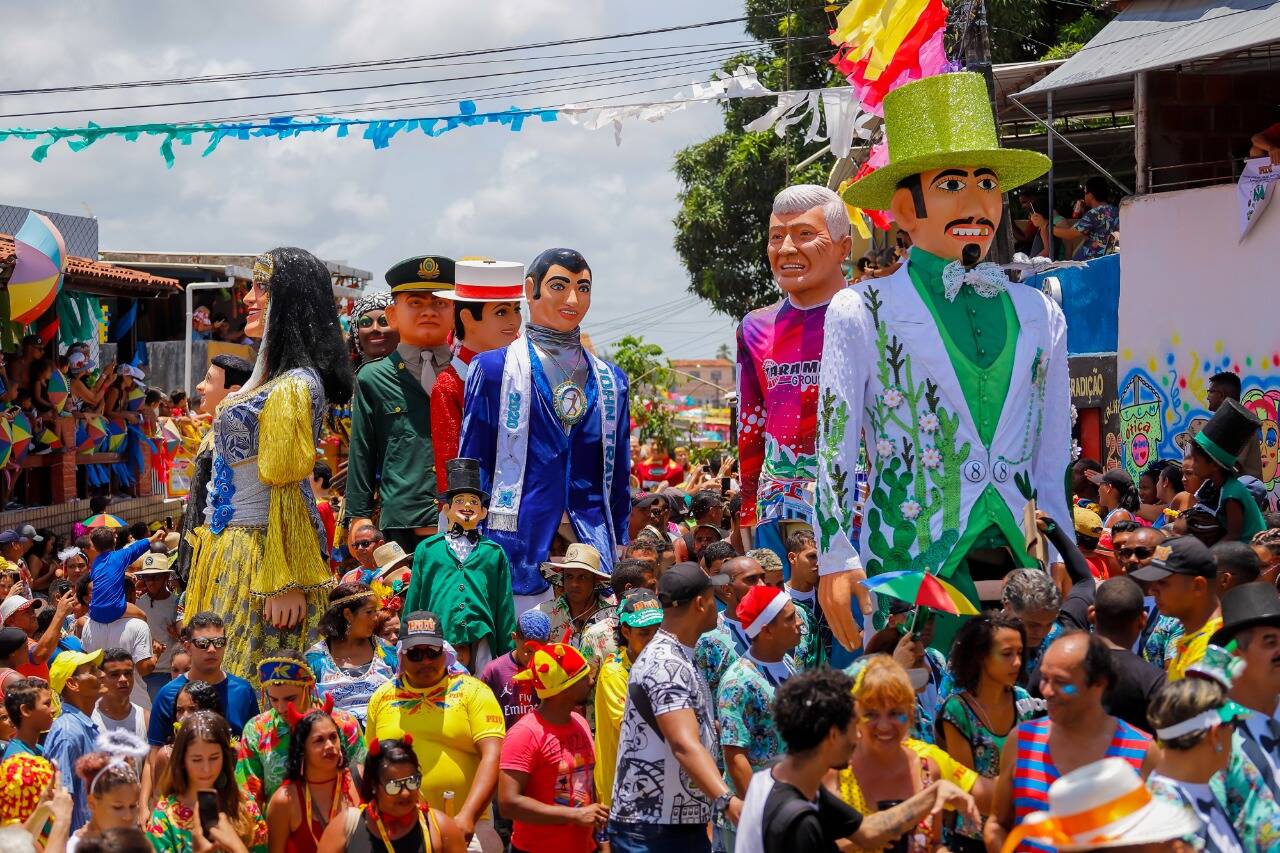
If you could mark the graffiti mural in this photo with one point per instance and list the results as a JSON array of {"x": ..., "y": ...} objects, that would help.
[{"x": 1162, "y": 403}]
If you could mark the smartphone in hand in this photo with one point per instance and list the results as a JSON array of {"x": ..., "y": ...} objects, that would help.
[{"x": 207, "y": 806}]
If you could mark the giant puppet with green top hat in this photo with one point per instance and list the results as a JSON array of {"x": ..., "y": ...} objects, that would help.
[
  {"x": 953, "y": 377},
  {"x": 391, "y": 447}
]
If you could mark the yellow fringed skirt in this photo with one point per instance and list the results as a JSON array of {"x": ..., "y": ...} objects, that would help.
[{"x": 222, "y": 570}]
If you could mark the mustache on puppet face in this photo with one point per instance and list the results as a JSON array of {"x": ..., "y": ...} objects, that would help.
[{"x": 971, "y": 227}]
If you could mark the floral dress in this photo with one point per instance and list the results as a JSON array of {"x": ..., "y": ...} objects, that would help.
[
  {"x": 351, "y": 687},
  {"x": 170, "y": 826},
  {"x": 1247, "y": 793}
]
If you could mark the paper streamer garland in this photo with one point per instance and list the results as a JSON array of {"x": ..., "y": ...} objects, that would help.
[{"x": 884, "y": 44}]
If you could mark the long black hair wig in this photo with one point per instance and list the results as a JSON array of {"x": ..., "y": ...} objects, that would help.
[{"x": 302, "y": 327}]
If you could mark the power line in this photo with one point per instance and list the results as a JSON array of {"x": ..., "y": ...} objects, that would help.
[{"x": 353, "y": 66}]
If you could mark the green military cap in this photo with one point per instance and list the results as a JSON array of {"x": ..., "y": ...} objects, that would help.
[{"x": 425, "y": 272}]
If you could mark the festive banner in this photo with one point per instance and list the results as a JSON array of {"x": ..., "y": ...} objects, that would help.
[
  {"x": 884, "y": 44},
  {"x": 1255, "y": 190}
]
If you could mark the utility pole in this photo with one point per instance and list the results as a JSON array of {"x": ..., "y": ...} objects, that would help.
[{"x": 977, "y": 57}]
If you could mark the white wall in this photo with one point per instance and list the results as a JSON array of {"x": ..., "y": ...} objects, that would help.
[{"x": 1194, "y": 301}]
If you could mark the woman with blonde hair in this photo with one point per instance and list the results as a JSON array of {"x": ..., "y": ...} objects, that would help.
[{"x": 888, "y": 766}]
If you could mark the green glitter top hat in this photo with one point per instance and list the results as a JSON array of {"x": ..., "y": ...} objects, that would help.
[{"x": 941, "y": 121}]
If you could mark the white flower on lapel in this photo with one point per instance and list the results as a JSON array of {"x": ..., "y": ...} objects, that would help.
[
  {"x": 892, "y": 397},
  {"x": 929, "y": 422},
  {"x": 885, "y": 448},
  {"x": 931, "y": 457},
  {"x": 910, "y": 510}
]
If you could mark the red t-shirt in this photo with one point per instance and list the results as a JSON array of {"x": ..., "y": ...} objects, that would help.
[
  {"x": 560, "y": 762},
  {"x": 653, "y": 475},
  {"x": 1098, "y": 566},
  {"x": 31, "y": 669}
]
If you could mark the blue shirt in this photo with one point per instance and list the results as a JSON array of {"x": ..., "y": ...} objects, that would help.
[
  {"x": 239, "y": 705},
  {"x": 73, "y": 735},
  {"x": 108, "y": 600},
  {"x": 17, "y": 747}
]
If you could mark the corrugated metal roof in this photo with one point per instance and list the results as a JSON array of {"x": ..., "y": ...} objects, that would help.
[{"x": 1152, "y": 34}]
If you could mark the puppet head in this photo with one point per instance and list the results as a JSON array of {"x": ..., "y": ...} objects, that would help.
[
  {"x": 418, "y": 314},
  {"x": 808, "y": 241},
  {"x": 558, "y": 286},
  {"x": 466, "y": 501},
  {"x": 486, "y": 303},
  {"x": 946, "y": 169}
]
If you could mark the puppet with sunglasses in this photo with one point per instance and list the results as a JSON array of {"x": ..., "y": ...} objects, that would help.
[{"x": 954, "y": 379}]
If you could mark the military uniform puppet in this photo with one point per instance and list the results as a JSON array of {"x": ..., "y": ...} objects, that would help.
[
  {"x": 463, "y": 577},
  {"x": 486, "y": 315},
  {"x": 390, "y": 414},
  {"x": 955, "y": 378},
  {"x": 550, "y": 425}
]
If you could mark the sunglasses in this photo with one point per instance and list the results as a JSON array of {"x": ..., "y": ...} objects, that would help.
[
  {"x": 408, "y": 783},
  {"x": 420, "y": 653},
  {"x": 1140, "y": 553},
  {"x": 204, "y": 643},
  {"x": 367, "y": 322},
  {"x": 368, "y": 543}
]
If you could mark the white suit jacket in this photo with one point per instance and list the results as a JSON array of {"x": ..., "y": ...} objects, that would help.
[{"x": 886, "y": 376}]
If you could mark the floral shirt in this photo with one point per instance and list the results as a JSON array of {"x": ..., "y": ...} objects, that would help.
[
  {"x": 1249, "y": 790},
  {"x": 264, "y": 749},
  {"x": 558, "y": 612},
  {"x": 1096, "y": 225},
  {"x": 984, "y": 743},
  {"x": 814, "y": 648},
  {"x": 350, "y": 688},
  {"x": 1162, "y": 644},
  {"x": 743, "y": 707},
  {"x": 1216, "y": 834},
  {"x": 170, "y": 826},
  {"x": 716, "y": 650}
]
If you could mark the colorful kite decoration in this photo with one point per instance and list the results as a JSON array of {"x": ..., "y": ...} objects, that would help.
[
  {"x": 6, "y": 441},
  {"x": 134, "y": 396},
  {"x": 37, "y": 271},
  {"x": 95, "y": 428},
  {"x": 59, "y": 390},
  {"x": 884, "y": 44},
  {"x": 103, "y": 520},
  {"x": 20, "y": 436},
  {"x": 48, "y": 438},
  {"x": 922, "y": 589},
  {"x": 117, "y": 432}
]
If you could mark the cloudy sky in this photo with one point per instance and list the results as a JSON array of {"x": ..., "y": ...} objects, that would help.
[{"x": 482, "y": 191}]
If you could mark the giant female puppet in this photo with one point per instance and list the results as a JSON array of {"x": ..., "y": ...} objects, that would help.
[
  {"x": 955, "y": 378},
  {"x": 259, "y": 560},
  {"x": 550, "y": 424}
]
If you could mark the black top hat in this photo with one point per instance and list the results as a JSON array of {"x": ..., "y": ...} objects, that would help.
[
  {"x": 464, "y": 476},
  {"x": 1245, "y": 606},
  {"x": 1228, "y": 433},
  {"x": 424, "y": 272}
]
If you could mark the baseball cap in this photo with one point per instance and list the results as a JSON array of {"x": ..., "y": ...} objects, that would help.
[
  {"x": 1117, "y": 477},
  {"x": 8, "y": 537},
  {"x": 640, "y": 608},
  {"x": 154, "y": 564},
  {"x": 12, "y": 605},
  {"x": 1087, "y": 522},
  {"x": 65, "y": 665},
  {"x": 11, "y": 639},
  {"x": 685, "y": 581},
  {"x": 26, "y": 531},
  {"x": 1182, "y": 555},
  {"x": 421, "y": 628}
]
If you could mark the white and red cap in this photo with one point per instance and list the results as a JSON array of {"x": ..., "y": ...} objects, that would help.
[
  {"x": 761, "y": 606},
  {"x": 483, "y": 280}
]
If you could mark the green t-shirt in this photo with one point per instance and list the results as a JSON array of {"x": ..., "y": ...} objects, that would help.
[{"x": 1234, "y": 490}]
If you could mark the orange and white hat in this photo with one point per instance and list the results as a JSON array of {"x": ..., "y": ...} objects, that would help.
[
  {"x": 761, "y": 606},
  {"x": 1103, "y": 804},
  {"x": 483, "y": 280},
  {"x": 553, "y": 668}
]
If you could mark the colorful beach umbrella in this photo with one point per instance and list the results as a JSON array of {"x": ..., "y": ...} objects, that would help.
[
  {"x": 170, "y": 435},
  {"x": 133, "y": 398},
  {"x": 6, "y": 442},
  {"x": 37, "y": 270},
  {"x": 59, "y": 390},
  {"x": 104, "y": 519},
  {"x": 922, "y": 589},
  {"x": 20, "y": 433}
]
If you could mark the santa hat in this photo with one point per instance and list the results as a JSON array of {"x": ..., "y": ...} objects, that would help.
[
  {"x": 553, "y": 668},
  {"x": 759, "y": 607}
]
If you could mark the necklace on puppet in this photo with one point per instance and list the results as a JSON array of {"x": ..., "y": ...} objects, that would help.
[{"x": 568, "y": 398}]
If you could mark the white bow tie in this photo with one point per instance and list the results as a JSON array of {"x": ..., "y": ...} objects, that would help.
[{"x": 987, "y": 280}]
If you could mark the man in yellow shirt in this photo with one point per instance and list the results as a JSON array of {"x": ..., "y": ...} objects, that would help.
[
  {"x": 456, "y": 726},
  {"x": 639, "y": 617},
  {"x": 1184, "y": 581}
]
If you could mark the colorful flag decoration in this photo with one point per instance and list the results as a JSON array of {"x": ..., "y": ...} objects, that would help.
[
  {"x": 6, "y": 442},
  {"x": 884, "y": 44},
  {"x": 37, "y": 271}
]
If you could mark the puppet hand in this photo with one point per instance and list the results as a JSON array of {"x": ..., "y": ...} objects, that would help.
[
  {"x": 286, "y": 609},
  {"x": 835, "y": 594}
]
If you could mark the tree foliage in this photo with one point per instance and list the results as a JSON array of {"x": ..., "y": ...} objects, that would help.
[
  {"x": 728, "y": 182},
  {"x": 649, "y": 376}
]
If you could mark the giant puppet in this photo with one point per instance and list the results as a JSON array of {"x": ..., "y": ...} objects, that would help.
[
  {"x": 779, "y": 350},
  {"x": 260, "y": 560},
  {"x": 550, "y": 423},
  {"x": 390, "y": 415},
  {"x": 486, "y": 299},
  {"x": 955, "y": 378}
]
